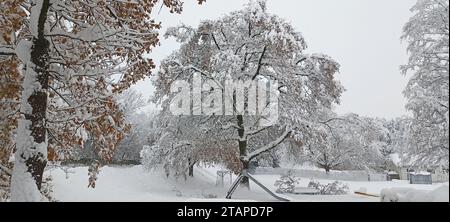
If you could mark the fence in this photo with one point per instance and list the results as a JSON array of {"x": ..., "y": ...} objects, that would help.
[
  {"x": 439, "y": 178},
  {"x": 321, "y": 174},
  {"x": 420, "y": 179},
  {"x": 377, "y": 177}
]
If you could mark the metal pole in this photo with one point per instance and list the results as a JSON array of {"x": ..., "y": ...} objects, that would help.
[
  {"x": 265, "y": 188},
  {"x": 234, "y": 187}
]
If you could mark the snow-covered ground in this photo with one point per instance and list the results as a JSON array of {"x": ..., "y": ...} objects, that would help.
[{"x": 134, "y": 184}]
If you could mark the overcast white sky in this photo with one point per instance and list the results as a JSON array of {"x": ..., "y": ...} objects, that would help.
[{"x": 362, "y": 35}]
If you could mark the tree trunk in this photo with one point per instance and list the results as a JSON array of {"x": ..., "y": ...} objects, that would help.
[
  {"x": 191, "y": 169},
  {"x": 327, "y": 164},
  {"x": 276, "y": 164},
  {"x": 31, "y": 154},
  {"x": 245, "y": 182}
]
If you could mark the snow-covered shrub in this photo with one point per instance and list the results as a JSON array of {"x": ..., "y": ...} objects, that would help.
[
  {"x": 335, "y": 188},
  {"x": 287, "y": 183},
  {"x": 387, "y": 195}
]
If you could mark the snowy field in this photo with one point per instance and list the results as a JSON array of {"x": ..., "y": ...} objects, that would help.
[{"x": 133, "y": 184}]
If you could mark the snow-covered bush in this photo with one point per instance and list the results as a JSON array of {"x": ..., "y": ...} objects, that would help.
[
  {"x": 287, "y": 183},
  {"x": 335, "y": 188}
]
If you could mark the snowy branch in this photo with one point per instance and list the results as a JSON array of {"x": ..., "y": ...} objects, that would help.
[
  {"x": 269, "y": 146},
  {"x": 231, "y": 125},
  {"x": 6, "y": 170},
  {"x": 6, "y": 51},
  {"x": 260, "y": 63},
  {"x": 254, "y": 132},
  {"x": 208, "y": 75}
]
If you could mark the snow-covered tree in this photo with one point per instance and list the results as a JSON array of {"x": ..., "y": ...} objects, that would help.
[
  {"x": 350, "y": 142},
  {"x": 245, "y": 45},
  {"x": 74, "y": 56},
  {"x": 400, "y": 139},
  {"x": 11, "y": 18},
  {"x": 129, "y": 149},
  {"x": 328, "y": 142},
  {"x": 177, "y": 144},
  {"x": 427, "y": 34}
]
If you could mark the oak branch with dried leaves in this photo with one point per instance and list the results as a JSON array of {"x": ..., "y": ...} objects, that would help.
[{"x": 61, "y": 65}]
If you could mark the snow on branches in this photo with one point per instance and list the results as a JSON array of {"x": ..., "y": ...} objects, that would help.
[
  {"x": 427, "y": 35},
  {"x": 74, "y": 57},
  {"x": 245, "y": 45}
]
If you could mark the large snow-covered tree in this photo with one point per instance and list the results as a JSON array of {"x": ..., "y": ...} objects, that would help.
[
  {"x": 427, "y": 34},
  {"x": 245, "y": 45},
  {"x": 73, "y": 56}
]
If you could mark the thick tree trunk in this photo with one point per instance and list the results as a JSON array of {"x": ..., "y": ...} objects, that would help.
[
  {"x": 245, "y": 182},
  {"x": 31, "y": 154},
  {"x": 191, "y": 169}
]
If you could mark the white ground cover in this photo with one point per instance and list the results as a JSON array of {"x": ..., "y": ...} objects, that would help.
[{"x": 133, "y": 184}]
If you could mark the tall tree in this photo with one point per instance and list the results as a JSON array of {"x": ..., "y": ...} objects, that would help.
[
  {"x": 74, "y": 57},
  {"x": 427, "y": 34},
  {"x": 246, "y": 45}
]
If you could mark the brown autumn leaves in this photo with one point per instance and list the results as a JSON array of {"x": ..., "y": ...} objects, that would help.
[{"x": 82, "y": 93}]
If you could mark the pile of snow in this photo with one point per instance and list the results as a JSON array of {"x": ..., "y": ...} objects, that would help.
[
  {"x": 412, "y": 195},
  {"x": 423, "y": 173}
]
